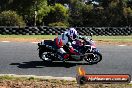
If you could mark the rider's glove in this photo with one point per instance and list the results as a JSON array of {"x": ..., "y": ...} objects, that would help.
[{"x": 68, "y": 44}]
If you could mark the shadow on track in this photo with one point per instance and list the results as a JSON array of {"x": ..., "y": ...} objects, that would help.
[{"x": 41, "y": 64}]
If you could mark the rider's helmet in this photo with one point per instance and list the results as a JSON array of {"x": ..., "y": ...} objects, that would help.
[{"x": 72, "y": 33}]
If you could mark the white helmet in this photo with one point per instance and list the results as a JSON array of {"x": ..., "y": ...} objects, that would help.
[{"x": 72, "y": 32}]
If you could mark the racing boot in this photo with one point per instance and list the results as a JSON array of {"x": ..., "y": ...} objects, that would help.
[
  {"x": 73, "y": 51},
  {"x": 66, "y": 56},
  {"x": 62, "y": 55}
]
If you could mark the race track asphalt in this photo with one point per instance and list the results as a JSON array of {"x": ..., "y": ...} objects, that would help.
[{"x": 22, "y": 59}]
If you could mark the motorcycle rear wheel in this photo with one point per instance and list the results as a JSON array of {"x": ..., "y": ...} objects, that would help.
[{"x": 45, "y": 56}]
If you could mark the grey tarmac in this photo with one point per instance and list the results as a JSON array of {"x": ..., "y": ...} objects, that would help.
[{"x": 21, "y": 58}]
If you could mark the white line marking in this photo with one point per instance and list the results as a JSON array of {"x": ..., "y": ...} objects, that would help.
[
  {"x": 121, "y": 45},
  {"x": 35, "y": 42},
  {"x": 5, "y": 41}
]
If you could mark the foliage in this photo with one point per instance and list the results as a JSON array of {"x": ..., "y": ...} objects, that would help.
[
  {"x": 75, "y": 14},
  {"x": 11, "y": 18},
  {"x": 26, "y": 8},
  {"x": 85, "y": 15},
  {"x": 4, "y": 4},
  {"x": 59, "y": 24},
  {"x": 113, "y": 13},
  {"x": 42, "y": 10},
  {"x": 93, "y": 17},
  {"x": 58, "y": 13},
  {"x": 128, "y": 15},
  {"x": 49, "y": 12}
]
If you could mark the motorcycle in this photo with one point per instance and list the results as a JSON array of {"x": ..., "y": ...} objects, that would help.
[{"x": 85, "y": 46}]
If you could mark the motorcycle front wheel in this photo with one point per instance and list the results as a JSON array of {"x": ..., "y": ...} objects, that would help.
[{"x": 93, "y": 58}]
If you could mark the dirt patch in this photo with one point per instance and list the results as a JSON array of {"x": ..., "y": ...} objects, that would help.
[
  {"x": 98, "y": 42},
  {"x": 20, "y": 39},
  {"x": 31, "y": 83},
  {"x": 40, "y": 84}
]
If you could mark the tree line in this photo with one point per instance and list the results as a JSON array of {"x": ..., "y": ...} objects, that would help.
[{"x": 66, "y": 13}]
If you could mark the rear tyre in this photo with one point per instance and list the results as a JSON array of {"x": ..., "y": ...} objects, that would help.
[{"x": 45, "y": 56}]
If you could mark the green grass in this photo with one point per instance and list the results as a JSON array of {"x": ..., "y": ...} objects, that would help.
[
  {"x": 29, "y": 36},
  {"x": 96, "y": 38},
  {"x": 114, "y": 38},
  {"x": 7, "y": 77}
]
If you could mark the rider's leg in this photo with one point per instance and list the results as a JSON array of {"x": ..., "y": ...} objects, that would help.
[
  {"x": 71, "y": 49},
  {"x": 63, "y": 54},
  {"x": 60, "y": 50}
]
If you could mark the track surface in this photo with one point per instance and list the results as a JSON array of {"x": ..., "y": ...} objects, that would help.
[{"x": 22, "y": 59}]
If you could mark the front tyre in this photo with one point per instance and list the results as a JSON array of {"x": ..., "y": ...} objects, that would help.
[
  {"x": 93, "y": 58},
  {"x": 97, "y": 57}
]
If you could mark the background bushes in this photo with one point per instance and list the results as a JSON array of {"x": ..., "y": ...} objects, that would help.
[
  {"x": 58, "y": 16},
  {"x": 11, "y": 18},
  {"x": 75, "y": 13},
  {"x": 59, "y": 24}
]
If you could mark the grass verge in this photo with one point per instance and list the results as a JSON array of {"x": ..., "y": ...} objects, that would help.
[
  {"x": 31, "y": 82},
  {"x": 100, "y": 40},
  {"x": 113, "y": 38},
  {"x": 28, "y": 36}
]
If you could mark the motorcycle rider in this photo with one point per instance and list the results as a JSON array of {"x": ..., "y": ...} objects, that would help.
[{"x": 66, "y": 38}]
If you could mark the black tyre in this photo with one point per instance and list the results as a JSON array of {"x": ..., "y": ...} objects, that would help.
[
  {"x": 93, "y": 58},
  {"x": 98, "y": 57},
  {"x": 45, "y": 56}
]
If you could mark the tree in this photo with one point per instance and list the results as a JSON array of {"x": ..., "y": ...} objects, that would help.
[
  {"x": 11, "y": 18},
  {"x": 92, "y": 16},
  {"x": 113, "y": 12},
  {"x": 75, "y": 14},
  {"x": 27, "y": 8},
  {"x": 42, "y": 10},
  {"x": 58, "y": 13},
  {"x": 128, "y": 15},
  {"x": 85, "y": 15},
  {"x": 4, "y": 4}
]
